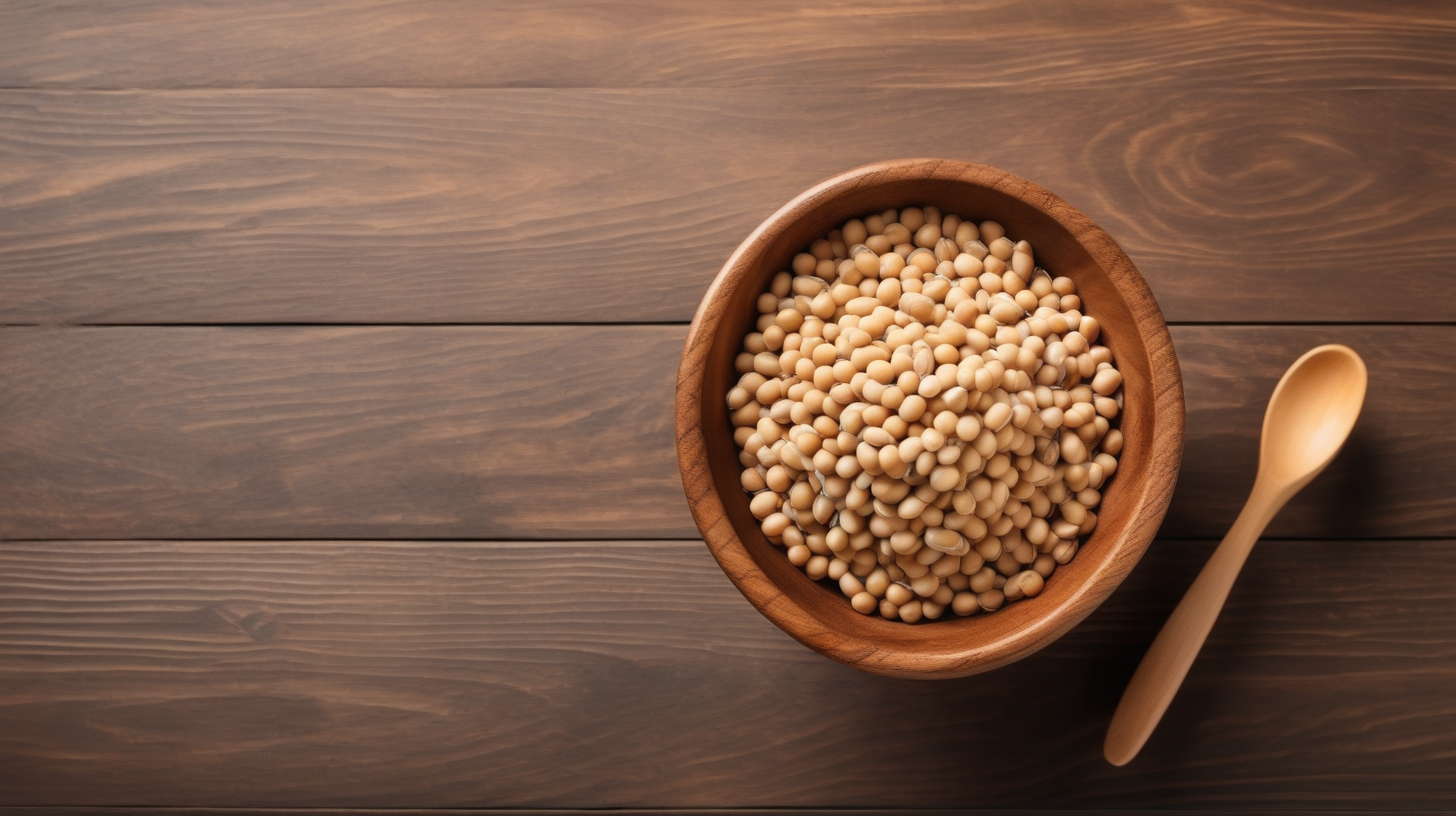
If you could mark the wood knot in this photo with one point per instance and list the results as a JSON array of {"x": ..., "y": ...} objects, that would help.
[{"x": 260, "y": 626}]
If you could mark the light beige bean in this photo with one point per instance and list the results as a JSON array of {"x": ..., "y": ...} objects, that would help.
[
  {"x": 911, "y": 507},
  {"x": 1106, "y": 461},
  {"x": 1107, "y": 381},
  {"x": 926, "y": 556},
  {"x": 904, "y": 542},
  {"x": 946, "y": 541},
  {"x": 945, "y": 477},
  {"x": 878, "y": 437},
  {"x": 891, "y": 463},
  {"x": 927, "y": 235},
  {"x": 1065, "y": 529},
  {"x": 774, "y": 524},
  {"x": 877, "y": 582},
  {"x": 867, "y": 261},
  {"x": 823, "y": 509},
  {"x": 764, "y": 504},
  {"x": 1004, "y": 310},
  {"x": 1022, "y": 264},
  {"x": 801, "y": 496},
  {"x": 817, "y": 567},
  {"x": 1030, "y": 583},
  {"x": 996, "y": 418},
  {"x": 1007, "y": 564},
  {"x": 965, "y": 603},
  {"x": 911, "y": 407},
  {"x": 946, "y": 567},
  {"x": 865, "y": 603},
  {"x": 1073, "y": 451},
  {"x": 897, "y": 233},
  {"x": 1064, "y": 552},
  {"x": 899, "y": 594},
  {"x": 1012, "y": 588},
  {"x": 925, "y": 585},
  {"x": 1044, "y": 565},
  {"x": 968, "y": 265}
]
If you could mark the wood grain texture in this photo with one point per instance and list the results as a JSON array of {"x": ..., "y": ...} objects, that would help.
[
  {"x": 704, "y": 811},
  {"x": 583, "y": 162},
  {"x": 1132, "y": 507},
  {"x": 990, "y": 43},
  {"x": 376, "y": 206},
  {"x": 284, "y": 432},
  {"x": 1391, "y": 458},
  {"x": 375, "y": 674},
  {"x": 542, "y": 432}
]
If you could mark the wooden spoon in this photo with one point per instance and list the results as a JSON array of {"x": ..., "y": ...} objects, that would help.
[{"x": 1309, "y": 416}]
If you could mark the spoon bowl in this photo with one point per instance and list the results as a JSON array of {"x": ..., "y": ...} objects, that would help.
[{"x": 1310, "y": 415}]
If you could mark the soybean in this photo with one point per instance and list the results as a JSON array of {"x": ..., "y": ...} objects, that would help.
[{"x": 925, "y": 416}]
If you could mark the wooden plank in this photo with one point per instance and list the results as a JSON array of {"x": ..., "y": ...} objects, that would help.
[
  {"x": 273, "y": 43},
  {"x": 632, "y": 674},
  {"x": 706, "y": 811},
  {"x": 284, "y": 432},
  {"x": 1389, "y": 480},
  {"x": 375, "y": 206},
  {"x": 550, "y": 432}
]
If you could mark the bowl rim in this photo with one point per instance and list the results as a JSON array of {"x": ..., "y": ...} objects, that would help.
[{"x": 1148, "y": 506}]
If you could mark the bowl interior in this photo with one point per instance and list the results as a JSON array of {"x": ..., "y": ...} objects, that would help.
[{"x": 820, "y": 616}]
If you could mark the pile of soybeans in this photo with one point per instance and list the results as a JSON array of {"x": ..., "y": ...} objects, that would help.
[{"x": 924, "y": 415}]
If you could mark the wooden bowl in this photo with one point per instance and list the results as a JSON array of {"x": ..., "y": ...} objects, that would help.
[{"x": 1134, "y": 501}]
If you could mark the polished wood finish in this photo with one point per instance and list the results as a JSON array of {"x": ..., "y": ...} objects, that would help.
[
  {"x": 1310, "y": 415},
  {"x": 448, "y": 432},
  {"x": 568, "y": 206},
  {"x": 633, "y": 674},
  {"x": 571, "y": 162},
  {"x": 705, "y": 811},
  {"x": 569, "y": 43},
  {"x": 247, "y": 432},
  {"x": 1132, "y": 506}
]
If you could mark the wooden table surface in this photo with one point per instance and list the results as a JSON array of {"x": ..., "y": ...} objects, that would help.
[{"x": 336, "y": 371}]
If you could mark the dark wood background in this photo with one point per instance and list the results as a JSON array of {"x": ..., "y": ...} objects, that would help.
[{"x": 337, "y": 357}]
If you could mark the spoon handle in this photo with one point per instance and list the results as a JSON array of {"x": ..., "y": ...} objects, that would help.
[{"x": 1165, "y": 665}]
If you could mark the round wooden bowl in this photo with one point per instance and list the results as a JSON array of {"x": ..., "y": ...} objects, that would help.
[{"x": 1133, "y": 503}]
